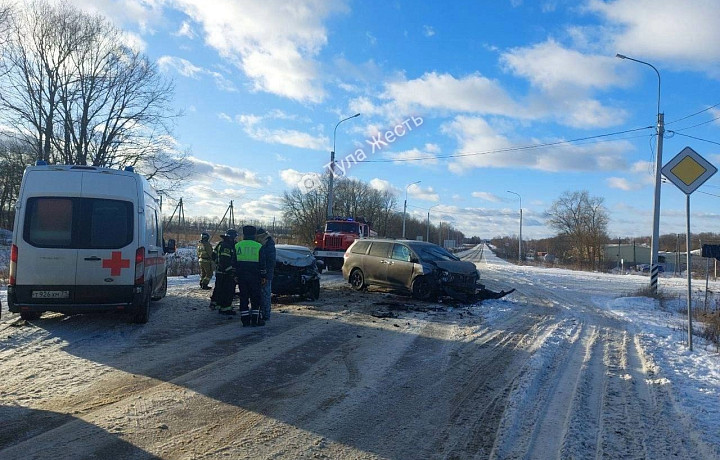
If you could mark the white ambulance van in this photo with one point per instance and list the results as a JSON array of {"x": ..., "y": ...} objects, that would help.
[{"x": 86, "y": 239}]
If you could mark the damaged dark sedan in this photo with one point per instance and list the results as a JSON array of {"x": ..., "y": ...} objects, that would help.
[
  {"x": 297, "y": 272},
  {"x": 424, "y": 269}
]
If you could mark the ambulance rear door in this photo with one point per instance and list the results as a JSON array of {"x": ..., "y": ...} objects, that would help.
[{"x": 107, "y": 239}]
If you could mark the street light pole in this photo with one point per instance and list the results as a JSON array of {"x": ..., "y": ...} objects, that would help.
[
  {"x": 405, "y": 205},
  {"x": 520, "y": 237},
  {"x": 332, "y": 167},
  {"x": 660, "y": 131},
  {"x": 427, "y": 236}
]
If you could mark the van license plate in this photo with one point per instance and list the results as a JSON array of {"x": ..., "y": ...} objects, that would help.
[{"x": 50, "y": 294}]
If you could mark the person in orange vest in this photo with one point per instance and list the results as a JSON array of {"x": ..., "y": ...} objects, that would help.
[{"x": 251, "y": 276}]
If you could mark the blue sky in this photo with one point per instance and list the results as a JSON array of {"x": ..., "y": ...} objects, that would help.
[{"x": 504, "y": 89}]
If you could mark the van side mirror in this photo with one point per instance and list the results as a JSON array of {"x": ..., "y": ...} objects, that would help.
[{"x": 170, "y": 247}]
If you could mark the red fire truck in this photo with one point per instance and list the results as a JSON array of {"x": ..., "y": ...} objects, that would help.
[{"x": 338, "y": 235}]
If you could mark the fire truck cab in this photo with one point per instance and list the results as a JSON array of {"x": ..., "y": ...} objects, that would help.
[{"x": 339, "y": 233}]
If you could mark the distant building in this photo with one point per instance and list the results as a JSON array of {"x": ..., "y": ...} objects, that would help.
[{"x": 627, "y": 254}]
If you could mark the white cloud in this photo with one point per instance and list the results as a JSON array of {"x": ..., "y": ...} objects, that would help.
[
  {"x": 190, "y": 70},
  {"x": 428, "y": 31},
  {"x": 274, "y": 42},
  {"x": 291, "y": 137},
  {"x": 186, "y": 30},
  {"x": 207, "y": 172},
  {"x": 487, "y": 196},
  {"x": 549, "y": 65},
  {"x": 180, "y": 65},
  {"x": 383, "y": 186},
  {"x": 427, "y": 156},
  {"x": 427, "y": 193},
  {"x": 685, "y": 33},
  {"x": 485, "y": 147},
  {"x": 291, "y": 177},
  {"x": 623, "y": 184},
  {"x": 473, "y": 93},
  {"x": 565, "y": 78}
]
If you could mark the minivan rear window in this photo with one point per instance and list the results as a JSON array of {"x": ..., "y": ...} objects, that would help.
[{"x": 79, "y": 223}]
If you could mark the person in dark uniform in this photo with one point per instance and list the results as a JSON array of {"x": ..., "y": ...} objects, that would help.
[
  {"x": 222, "y": 296},
  {"x": 251, "y": 275},
  {"x": 268, "y": 253}
]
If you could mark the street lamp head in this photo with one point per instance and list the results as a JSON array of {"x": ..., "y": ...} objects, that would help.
[
  {"x": 356, "y": 115},
  {"x": 621, "y": 56}
]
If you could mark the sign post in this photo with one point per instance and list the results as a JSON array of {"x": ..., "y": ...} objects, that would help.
[{"x": 688, "y": 171}]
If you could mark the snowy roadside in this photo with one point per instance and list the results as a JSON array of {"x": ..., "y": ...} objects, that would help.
[{"x": 693, "y": 376}]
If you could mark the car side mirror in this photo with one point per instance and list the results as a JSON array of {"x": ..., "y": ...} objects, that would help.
[
  {"x": 414, "y": 260},
  {"x": 320, "y": 264},
  {"x": 170, "y": 247}
]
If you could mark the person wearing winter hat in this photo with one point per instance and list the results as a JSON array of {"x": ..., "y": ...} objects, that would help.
[
  {"x": 224, "y": 291},
  {"x": 268, "y": 253},
  {"x": 251, "y": 275}
]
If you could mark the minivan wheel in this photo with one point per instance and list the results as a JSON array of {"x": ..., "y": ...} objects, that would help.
[
  {"x": 30, "y": 315},
  {"x": 422, "y": 289},
  {"x": 142, "y": 314},
  {"x": 357, "y": 279}
]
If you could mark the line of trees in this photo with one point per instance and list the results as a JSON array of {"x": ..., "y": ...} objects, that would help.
[
  {"x": 304, "y": 211},
  {"x": 73, "y": 92}
]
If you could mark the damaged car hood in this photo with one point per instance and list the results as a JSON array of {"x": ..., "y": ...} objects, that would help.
[
  {"x": 294, "y": 259},
  {"x": 460, "y": 267}
]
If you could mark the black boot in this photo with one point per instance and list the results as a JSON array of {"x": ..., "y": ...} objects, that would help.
[{"x": 245, "y": 318}]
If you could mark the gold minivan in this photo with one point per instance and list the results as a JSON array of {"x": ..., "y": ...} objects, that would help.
[{"x": 424, "y": 269}]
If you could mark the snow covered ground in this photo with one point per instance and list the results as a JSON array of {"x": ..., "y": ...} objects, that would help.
[
  {"x": 547, "y": 369},
  {"x": 693, "y": 376}
]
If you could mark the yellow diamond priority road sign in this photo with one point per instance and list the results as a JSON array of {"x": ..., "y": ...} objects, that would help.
[{"x": 688, "y": 170}]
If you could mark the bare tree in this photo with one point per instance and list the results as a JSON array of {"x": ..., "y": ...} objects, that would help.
[
  {"x": 77, "y": 95},
  {"x": 584, "y": 220},
  {"x": 306, "y": 212},
  {"x": 13, "y": 159}
]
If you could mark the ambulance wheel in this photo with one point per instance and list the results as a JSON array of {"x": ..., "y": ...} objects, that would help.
[
  {"x": 163, "y": 290},
  {"x": 30, "y": 315},
  {"x": 142, "y": 314}
]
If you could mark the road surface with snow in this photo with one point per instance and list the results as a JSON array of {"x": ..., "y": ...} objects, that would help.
[{"x": 568, "y": 366}]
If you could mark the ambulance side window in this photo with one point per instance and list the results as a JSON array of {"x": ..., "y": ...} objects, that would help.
[
  {"x": 150, "y": 225},
  {"x": 110, "y": 223},
  {"x": 158, "y": 233},
  {"x": 49, "y": 222}
]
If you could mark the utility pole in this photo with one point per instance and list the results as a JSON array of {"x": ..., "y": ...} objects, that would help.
[
  {"x": 332, "y": 167},
  {"x": 660, "y": 132}
]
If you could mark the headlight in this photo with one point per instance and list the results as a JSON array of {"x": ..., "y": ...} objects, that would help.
[{"x": 446, "y": 276}]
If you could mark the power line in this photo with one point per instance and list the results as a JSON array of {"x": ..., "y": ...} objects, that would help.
[
  {"x": 693, "y": 114},
  {"x": 696, "y": 138},
  {"x": 513, "y": 149},
  {"x": 699, "y": 124}
]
